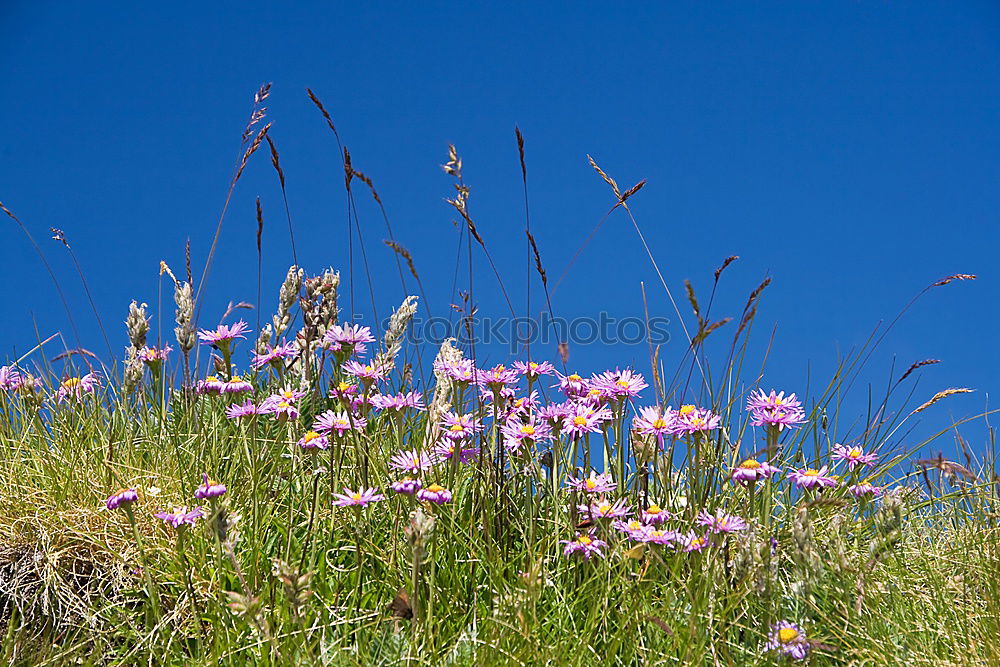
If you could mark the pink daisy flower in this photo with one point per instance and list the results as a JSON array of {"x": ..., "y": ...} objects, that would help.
[
  {"x": 532, "y": 369},
  {"x": 275, "y": 355},
  {"x": 461, "y": 372},
  {"x": 690, "y": 419},
  {"x": 809, "y": 478},
  {"x": 407, "y": 486},
  {"x": 693, "y": 542},
  {"x": 338, "y": 423},
  {"x": 775, "y": 410},
  {"x": 751, "y": 471},
  {"x": 524, "y": 405},
  {"x": 279, "y": 407},
  {"x": 397, "y": 402},
  {"x": 586, "y": 545},
  {"x": 596, "y": 484},
  {"x": 854, "y": 456},
  {"x": 446, "y": 449},
  {"x": 659, "y": 536},
  {"x": 360, "y": 498},
  {"x": 435, "y": 493},
  {"x": 619, "y": 384},
  {"x": 497, "y": 377},
  {"x": 224, "y": 334},
  {"x": 633, "y": 529},
  {"x": 721, "y": 522},
  {"x": 77, "y": 387},
  {"x": 411, "y": 461},
  {"x": 181, "y": 516},
  {"x": 210, "y": 386},
  {"x": 10, "y": 378},
  {"x": 153, "y": 356},
  {"x": 653, "y": 421},
  {"x": 123, "y": 498},
  {"x": 789, "y": 640},
  {"x": 236, "y": 385},
  {"x": 457, "y": 426},
  {"x": 347, "y": 339},
  {"x": 572, "y": 385},
  {"x": 654, "y": 514},
  {"x": 314, "y": 440},
  {"x": 367, "y": 373},
  {"x": 602, "y": 509},
  {"x": 865, "y": 490},
  {"x": 519, "y": 434},
  {"x": 584, "y": 419},
  {"x": 241, "y": 410},
  {"x": 209, "y": 489}
]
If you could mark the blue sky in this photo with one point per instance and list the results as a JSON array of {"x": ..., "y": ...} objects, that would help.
[{"x": 847, "y": 150}]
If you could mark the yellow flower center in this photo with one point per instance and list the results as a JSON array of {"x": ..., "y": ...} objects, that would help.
[
  {"x": 580, "y": 421},
  {"x": 356, "y": 496},
  {"x": 455, "y": 427},
  {"x": 287, "y": 395},
  {"x": 811, "y": 472},
  {"x": 343, "y": 386},
  {"x": 687, "y": 409},
  {"x": 310, "y": 436},
  {"x": 532, "y": 365},
  {"x": 634, "y": 525},
  {"x": 604, "y": 508},
  {"x": 284, "y": 405},
  {"x": 71, "y": 383},
  {"x": 583, "y": 539},
  {"x": 574, "y": 377},
  {"x": 654, "y": 509},
  {"x": 855, "y": 452},
  {"x": 750, "y": 464},
  {"x": 415, "y": 461},
  {"x": 698, "y": 541},
  {"x": 786, "y": 635},
  {"x": 659, "y": 422},
  {"x": 369, "y": 369},
  {"x": 528, "y": 429},
  {"x": 697, "y": 421},
  {"x": 499, "y": 369},
  {"x": 591, "y": 483},
  {"x": 210, "y": 378},
  {"x": 594, "y": 392},
  {"x": 435, "y": 488}
]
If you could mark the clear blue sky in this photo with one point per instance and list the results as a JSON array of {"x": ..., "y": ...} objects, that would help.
[{"x": 847, "y": 149}]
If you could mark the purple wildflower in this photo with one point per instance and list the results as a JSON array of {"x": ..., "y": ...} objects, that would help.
[
  {"x": 411, "y": 461},
  {"x": 775, "y": 410},
  {"x": 314, "y": 440},
  {"x": 655, "y": 514},
  {"x": 634, "y": 529},
  {"x": 446, "y": 449},
  {"x": 398, "y": 402},
  {"x": 752, "y": 470},
  {"x": 281, "y": 408},
  {"x": 497, "y": 377},
  {"x": 210, "y": 489},
  {"x": 597, "y": 484},
  {"x": 572, "y": 385},
  {"x": 619, "y": 384},
  {"x": 586, "y": 545},
  {"x": 532, "y": 370},
  {"x": 808, "y": 478},
  {"x": 339, "y": 423},
  {"x": 721, "y": 522},
  {"x": 518, "y": 434},
  {"x": 241, "y": 410},
  {"x": 153, "y": 356},
  {"x": 77, "y": 387},
  {"x": 864, "y": 489},
  {"x": 10, "y": 378},
  {"x": 690, "y": 419},
  {"x": 854, "y": 456},
  {"x": 788, "y": 639},
  {"x": 692, "y": 542},
  {"x": 435, "y": 493},
  {"x": 654, "y": 421},
  {"x": 602, "y": 509},
  {"x": 584, "y": 419},
  {"x": 367, "y": 373},
  {"x": 224, "y": 334},
  {"x": 407, "y": 486},
  {"x": 123, "y": 498},
  {"x": 181, "y": 516},
  {"x": 348, "y": 339},
  {"x": 457, "y": 426},
  {"x": 360, "y": 498},
  {"x": 275, "y": 355}
]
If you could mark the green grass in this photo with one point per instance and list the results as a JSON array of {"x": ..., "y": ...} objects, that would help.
[{"x": 276, "y": 575}]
